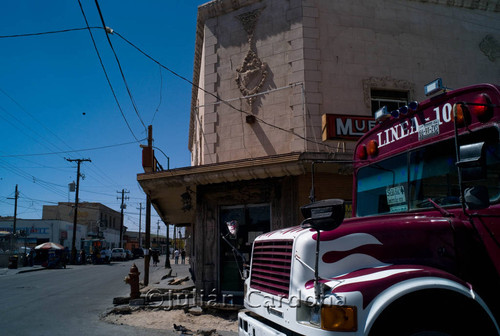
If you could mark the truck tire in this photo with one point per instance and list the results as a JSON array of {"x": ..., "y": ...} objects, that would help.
[{"x": 433, "y": 313}]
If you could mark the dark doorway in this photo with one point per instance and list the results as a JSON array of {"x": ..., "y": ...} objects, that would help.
[{"x": 247, "y": 222}]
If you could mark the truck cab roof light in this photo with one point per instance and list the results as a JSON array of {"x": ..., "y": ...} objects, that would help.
[
  {"x": 481, "y": 107},
  {"x": 382, "y": 114},
  {"x": 361, "y": 153},
  {"x": 461, "y": 111},
  {"x": 395, "y": 114},
  {"x": 372, "y": 148},
  {"x": 403, "y": 110},
  {"x": 413, "y": 105},
  {"x": 434, "y": 87}
]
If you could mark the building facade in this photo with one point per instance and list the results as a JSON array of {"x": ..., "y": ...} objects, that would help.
[
  {"x": 38, "y": 231},
  {"x": 101, "y": 221},
  {"x": 283, "y": 89}
]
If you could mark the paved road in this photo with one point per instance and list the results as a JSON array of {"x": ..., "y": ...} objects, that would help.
[{"x": 64, "y": 301}]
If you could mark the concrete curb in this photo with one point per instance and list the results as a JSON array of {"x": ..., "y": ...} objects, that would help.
[{"x": 31, "y": 270}]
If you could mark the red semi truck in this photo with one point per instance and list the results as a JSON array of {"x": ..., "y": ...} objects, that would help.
[{"x": 421, "y": 255}]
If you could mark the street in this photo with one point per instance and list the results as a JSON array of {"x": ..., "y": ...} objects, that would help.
[{"x": 65, "y": 301}]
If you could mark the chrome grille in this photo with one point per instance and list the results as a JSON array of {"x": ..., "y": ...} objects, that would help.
[{"x": 271, "y": 265}]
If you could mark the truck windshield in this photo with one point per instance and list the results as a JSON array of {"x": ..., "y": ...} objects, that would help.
[{"x": 407, "y": 181}]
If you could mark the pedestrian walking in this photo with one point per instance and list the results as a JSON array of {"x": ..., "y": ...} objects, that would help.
[
  {"x": 31, "y": 257},
  {"x": 183, "y": 256},
  {"x": 83, "y": 257},
  {"x": 176, "y": 256},
  {"x": 156, "y": 257}
]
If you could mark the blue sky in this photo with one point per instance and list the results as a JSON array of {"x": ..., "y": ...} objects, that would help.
[{"x": 56, "y": 104}]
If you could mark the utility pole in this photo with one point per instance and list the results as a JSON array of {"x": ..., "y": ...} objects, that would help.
[
  {"x": 75, "y": 216},
  {"x": 149, "y": 165},
  {"x": 158, "y": 234},
  {"x": 140, "y": 218},
  {"x": 167, "y": 256},
  {"x": 16, "y": 196},
  {"x": 122, "y": 206},
  {"x": 147, "y": 257}
]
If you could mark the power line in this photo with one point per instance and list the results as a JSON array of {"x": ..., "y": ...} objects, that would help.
[
  {"x": 108, "y": 30},
  {"x": 48, "y": 32},
  {"x": 93, "y": 167},
  {"x": 161, "y": 89},
  {"x": 105, "y": 72},
  {"x": 44, "y": 184},
  {"x": 222, "y": 100},
  {"x": 72, "y": 151}
]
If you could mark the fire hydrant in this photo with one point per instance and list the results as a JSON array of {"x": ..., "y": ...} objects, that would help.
[{"x": 133, "y": 280}]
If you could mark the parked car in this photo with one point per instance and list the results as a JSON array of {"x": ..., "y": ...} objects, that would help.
[
  {"x": 129, "y": 254},
  {"x": 118, "y": 253},
  {"x": 138, "y": 253}
]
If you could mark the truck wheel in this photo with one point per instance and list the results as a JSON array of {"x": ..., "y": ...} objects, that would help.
[
  {"x": 433, "y": 313},
  {"x": 415, "y": 327}
]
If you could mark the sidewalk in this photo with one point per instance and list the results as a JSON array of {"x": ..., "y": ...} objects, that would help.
[
  {"x": 167, "y": 306},
  {"x": 160, "y": 277}
]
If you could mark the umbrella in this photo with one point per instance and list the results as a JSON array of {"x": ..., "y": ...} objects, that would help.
[
  {"x": 49, "y": 246},
  {"x": 4, "y": 233}
]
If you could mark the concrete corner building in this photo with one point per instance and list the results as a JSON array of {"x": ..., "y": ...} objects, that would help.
[{"x": 285, "y": 87}]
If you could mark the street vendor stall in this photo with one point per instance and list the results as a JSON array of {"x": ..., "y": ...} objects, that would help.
[{"x": 53, "y": 255}]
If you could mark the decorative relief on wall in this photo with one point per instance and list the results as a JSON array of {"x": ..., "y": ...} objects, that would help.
[
  {"x": 490, "y": 47},
  {"x": 252, "y": 73},
  {"x": 385, "y": 83}
]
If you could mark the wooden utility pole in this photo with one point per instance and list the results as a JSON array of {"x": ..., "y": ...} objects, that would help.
[
  {"x": 167, "y": 255},
  {"x": 147, "y": 257},
  {"x": 122, "y": 206},
  {"x": 140, "y": 219},
  {"x": 16, "y": 196},
  {"x": 148, "y": 155},
  {"x": 75, "y": 216},
  {"x": 13, "y": 236}
]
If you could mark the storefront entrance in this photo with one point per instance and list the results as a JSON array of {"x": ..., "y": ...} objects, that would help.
[{"x": 239, "y": 226}]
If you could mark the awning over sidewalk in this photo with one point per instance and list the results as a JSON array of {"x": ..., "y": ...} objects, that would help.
[{"x": 173, "y": 191}]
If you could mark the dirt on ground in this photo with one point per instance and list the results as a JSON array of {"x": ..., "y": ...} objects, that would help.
[{"x": 174, "y": 320}]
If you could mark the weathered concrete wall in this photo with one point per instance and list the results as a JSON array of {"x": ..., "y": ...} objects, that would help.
[{"x": 337, "y": 51}]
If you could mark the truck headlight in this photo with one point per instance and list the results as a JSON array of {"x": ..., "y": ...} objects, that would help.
[{"x": 339, "y": 318}]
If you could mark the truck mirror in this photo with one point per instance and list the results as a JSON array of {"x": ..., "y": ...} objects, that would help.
[
  {"x": 323, "y": 215},
  {"x": 477, "y": 198},
  {"x": 472, "y": 162}
]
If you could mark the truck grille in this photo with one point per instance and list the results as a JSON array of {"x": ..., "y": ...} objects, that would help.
[{"x": 271, "y": 264}]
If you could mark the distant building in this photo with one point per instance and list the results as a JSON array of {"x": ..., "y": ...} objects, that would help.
[
  {"x": 38, "y": 231},
  {"x": 131, "y": 241},
  {"x": 101, "y": 221}
]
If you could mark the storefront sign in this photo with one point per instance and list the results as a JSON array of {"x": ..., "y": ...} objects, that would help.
[{"x": 337, "y": 126}]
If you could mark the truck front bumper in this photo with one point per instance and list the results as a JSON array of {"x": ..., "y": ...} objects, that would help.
[{"x": 249, "y": 326}]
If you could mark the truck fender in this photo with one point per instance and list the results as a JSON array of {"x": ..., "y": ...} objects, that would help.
[
  {"x": 418, "y": 282},
  {"x": 381, "y": 287}
]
